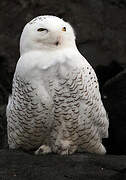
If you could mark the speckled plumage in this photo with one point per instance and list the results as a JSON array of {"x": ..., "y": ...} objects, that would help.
[{"x": 55, "y": 104}]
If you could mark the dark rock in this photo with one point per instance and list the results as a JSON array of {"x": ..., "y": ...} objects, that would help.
[
  {"x": 5, "y": 79},
  {"x": 3, "y": 129},
  {"x": 21, "y": 166},
  {"x": 118, "y": 3},
  {"x": 115, "y": 103},
  {"x": 104, "y": 73}
]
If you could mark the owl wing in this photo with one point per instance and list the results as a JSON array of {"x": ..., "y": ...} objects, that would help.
[
  {"x": 28, "y": 118},
  {"x": 95, "y": 110},
  {"x": 81, "y": 85},
  {"x": 79, "y": 109}
]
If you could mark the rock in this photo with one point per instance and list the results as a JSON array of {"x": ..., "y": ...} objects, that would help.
[
  {"x": 3, "y": 129},
  {"x": 5, "y": 80},
  {"x": 115, "y": 103},
  {"x": 5, "y": 88},
  {"x": 118, "y": 3},
  {"x": 104, "y": 73},
  {"x": 22, "y": 166}
]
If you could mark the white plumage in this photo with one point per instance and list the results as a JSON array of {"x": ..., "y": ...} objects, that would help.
[{"x": 55, "y": 104}]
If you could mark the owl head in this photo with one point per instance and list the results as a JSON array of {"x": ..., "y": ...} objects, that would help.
[{"x": 46, "y": 33}]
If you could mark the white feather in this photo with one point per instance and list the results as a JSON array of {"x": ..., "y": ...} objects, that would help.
[{"x": 55, "y": 99}]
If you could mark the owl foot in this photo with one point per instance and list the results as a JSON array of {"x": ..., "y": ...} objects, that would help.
[
  {"x": 66, "y": 148},
  {"x": 44, "y": 149}
]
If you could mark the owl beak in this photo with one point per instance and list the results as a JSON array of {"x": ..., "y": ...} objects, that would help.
[{"x": 59, "y": 41}]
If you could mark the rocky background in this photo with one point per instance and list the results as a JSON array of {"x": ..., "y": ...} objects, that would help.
[{"x": 100, "y": 27}]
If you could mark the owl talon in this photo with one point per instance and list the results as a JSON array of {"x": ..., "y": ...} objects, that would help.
[
  {"x": 44, "y": 149},
  {"x": 66, "y": 148}
]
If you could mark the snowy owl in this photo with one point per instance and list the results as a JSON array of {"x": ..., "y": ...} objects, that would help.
[{"x": 55, "y": 104}]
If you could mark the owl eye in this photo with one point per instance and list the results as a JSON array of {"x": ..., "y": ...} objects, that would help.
[
  {"x": 41, "y": 29},
  {"x": 64, "y": 29}
]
